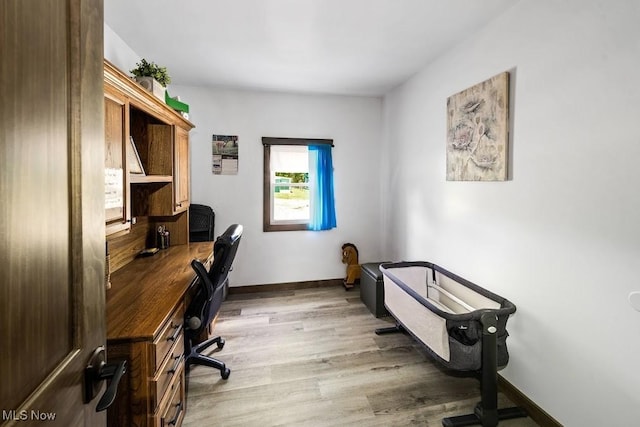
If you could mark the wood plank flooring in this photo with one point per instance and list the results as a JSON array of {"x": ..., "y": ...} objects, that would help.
[{"x": 310, "y": 358}]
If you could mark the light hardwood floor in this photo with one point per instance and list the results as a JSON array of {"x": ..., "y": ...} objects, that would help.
[{"x": 310, "y": 358}]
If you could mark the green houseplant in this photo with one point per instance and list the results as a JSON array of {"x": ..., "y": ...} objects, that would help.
[
  {"x": 152, "y": 77},
  {"x": 151, "y": 69}
]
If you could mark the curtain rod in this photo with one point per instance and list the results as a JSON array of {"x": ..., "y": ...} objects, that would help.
[{"x": 295, "y": 141}]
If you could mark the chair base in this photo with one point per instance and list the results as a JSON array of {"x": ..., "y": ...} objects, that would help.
[{"x": 194, "y": 356}]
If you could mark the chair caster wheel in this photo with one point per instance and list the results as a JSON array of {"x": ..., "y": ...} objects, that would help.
[
  {"x": 225, "y": 373},
  {"x": 220, "y": 344}
]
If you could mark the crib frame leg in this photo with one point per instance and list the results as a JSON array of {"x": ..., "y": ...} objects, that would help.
[
  {"x": 390, "y": 330},
  {"x": 486, "y": 412}
]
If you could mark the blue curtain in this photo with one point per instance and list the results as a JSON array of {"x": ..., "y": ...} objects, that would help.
[{"x": 323, "y": 210}]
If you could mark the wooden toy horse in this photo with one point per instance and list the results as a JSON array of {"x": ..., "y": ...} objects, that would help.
[{"x": 350, "y": 257}]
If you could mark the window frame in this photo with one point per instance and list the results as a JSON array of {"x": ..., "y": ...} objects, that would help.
[{"x": 267, "y": 142}]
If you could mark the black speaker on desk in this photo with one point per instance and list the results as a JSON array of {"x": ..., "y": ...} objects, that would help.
[{"x": 202, "y": 221}]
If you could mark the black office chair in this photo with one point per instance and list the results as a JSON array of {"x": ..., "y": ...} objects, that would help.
[
  {"x": 208, "y": 299},
  {"x": 202, "y": 221}
]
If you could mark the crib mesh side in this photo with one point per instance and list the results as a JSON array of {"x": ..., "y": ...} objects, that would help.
[{"x": 428, "y": 328}]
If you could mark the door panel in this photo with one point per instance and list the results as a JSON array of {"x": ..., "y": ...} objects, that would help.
[{"x": 52, "y": 214}]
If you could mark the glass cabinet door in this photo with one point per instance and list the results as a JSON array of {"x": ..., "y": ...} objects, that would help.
[{"x": 116, "y": 182}]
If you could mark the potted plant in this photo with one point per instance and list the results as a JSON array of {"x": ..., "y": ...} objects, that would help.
[{"x": 152, "y": 77}]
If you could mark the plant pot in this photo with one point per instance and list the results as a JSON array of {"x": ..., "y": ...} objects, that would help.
[{"x": 152, "y": 85}]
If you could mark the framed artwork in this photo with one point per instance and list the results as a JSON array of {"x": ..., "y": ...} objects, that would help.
[
  {"x": 135, "y": 165},
  {"x": 478, "y": 131}
]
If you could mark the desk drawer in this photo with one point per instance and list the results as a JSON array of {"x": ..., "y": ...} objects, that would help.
[
  {"x": 171, "y": 411},
  {"x": 167, "y": 338},
  {"x": 170, "y": 368}
]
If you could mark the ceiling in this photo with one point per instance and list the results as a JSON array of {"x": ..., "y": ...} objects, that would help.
[{"x": 351, "y": 47}]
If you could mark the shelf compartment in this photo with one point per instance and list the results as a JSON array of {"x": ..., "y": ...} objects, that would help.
[{"x": 152, "y": 199}]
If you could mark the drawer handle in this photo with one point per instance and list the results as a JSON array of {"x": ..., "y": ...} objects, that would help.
[
  {"x": 176, "y": 365},
  {"x": 175, "y": 334},
  {"x": 178, "y": 412}
]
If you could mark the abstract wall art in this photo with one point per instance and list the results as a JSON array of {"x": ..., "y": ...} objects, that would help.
[{"x": 478, "y": 131}]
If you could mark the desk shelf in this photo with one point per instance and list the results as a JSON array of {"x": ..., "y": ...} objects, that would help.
[{"x": 149, "y": 179}]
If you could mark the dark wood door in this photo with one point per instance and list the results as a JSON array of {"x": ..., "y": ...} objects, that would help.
[{"x": 52, "y": 242}]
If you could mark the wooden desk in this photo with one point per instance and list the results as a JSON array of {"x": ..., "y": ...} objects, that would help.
[{"x": 145, "y": 310}]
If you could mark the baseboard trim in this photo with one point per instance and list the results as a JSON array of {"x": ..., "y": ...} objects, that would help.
[
  {"x": 289, "y": 286},
  {"x": 535, "y": 412}
]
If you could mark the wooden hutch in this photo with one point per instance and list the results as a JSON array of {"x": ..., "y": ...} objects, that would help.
[{"x": 146, "y": 302}]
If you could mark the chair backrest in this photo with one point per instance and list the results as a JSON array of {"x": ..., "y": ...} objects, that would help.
[
  {"x": 208, "y": 299},
  {"x": 201, "y": 223}
]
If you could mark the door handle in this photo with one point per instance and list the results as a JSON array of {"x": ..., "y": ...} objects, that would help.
[{"x": 96, "y": 371}]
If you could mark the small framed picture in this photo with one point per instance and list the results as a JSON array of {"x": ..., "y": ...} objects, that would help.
[{"x": 135, "y": 165}]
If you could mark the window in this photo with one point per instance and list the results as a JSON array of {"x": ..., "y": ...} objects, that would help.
[{"x": 298, "y": 184}]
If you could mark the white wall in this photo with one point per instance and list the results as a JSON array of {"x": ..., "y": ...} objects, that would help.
[
  {"x": 118, "y": 51},
  {"x": 354, "y": 123},
  {"x": 560, "y": 239}
]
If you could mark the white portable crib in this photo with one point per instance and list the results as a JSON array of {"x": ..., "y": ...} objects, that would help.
[{"x": 461, "y": 324}]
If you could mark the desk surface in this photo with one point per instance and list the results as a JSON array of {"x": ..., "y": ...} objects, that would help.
[{"x": 147, "y": 290}]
